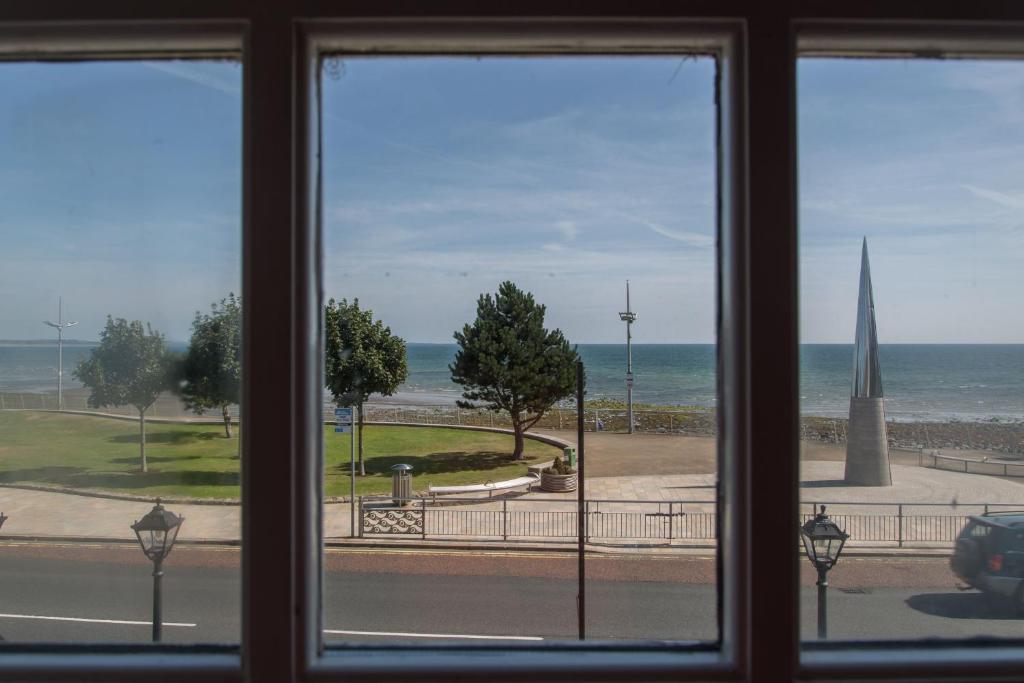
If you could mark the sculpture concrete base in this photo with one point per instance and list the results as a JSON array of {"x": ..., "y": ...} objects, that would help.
[{"x": 867, "y": 447}]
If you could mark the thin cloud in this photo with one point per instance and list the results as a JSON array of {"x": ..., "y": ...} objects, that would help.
[
  {"x": 1010, "y": 201},
  {"x": 191, "y": 72},
  {"x": 694, "y": 239}
]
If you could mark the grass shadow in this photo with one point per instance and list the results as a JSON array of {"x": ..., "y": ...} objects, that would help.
[
  {"x": 141, "y": 480},
  {"x": 52, "y": 475},
  {"x": 78, "y": 477},
  {"x": 173, "y": 438},
  {"x": 134, "y": 460},
  {"x": 444, "y": 463}
]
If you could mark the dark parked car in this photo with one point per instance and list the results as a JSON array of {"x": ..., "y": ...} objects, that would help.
[{"x": 989, "y": 555}]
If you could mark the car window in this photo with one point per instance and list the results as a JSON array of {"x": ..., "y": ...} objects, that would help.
[{"x": 975, "y": 530}]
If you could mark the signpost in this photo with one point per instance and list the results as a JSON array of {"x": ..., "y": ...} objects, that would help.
[{"x": 343, "y": 425}]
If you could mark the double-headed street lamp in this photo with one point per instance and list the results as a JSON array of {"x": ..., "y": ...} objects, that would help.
[
  {"x": 61, "y": 325},
  {"x": 823, "y": 541},
  {"x": 156, "y": 533},
  {"x": 628, "y": 317}
]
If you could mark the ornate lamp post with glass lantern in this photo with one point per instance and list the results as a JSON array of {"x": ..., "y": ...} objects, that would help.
[
  {"x": 823, "y": 541},
  {"x": 156, "y": 533}
]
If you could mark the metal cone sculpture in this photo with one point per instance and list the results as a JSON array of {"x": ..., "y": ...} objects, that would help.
[{"x": 867, "y": 447}]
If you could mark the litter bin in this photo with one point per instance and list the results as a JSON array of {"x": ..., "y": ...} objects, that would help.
[
  {"x": 570, "y": 456},
  {"x": 401, "y": 484}
]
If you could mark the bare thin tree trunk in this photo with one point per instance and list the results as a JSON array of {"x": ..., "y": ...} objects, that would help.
[
  {"x": 227, "y": 421},
  {"x": 517, "y": 427},
  {"x": 142, "y": 439},
  {"x": 362, "y": 469}
]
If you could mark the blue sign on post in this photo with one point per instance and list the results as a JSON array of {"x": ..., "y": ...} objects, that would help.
[{"x": 342, "y": 420}]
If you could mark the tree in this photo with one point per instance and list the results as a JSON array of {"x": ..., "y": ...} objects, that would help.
[
  {"x": 362, "y": 357},
  {"x": 510, "y": 362},
  {"x": 131, "y": 366},
  {"x": 211, "y": 372}
]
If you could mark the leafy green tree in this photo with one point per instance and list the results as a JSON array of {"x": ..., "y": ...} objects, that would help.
[
  {"x": 509, "y": 361},
  {"x": 362, "y": 357},
  {"x": 131, "y": 366},
  {"x": 211, "y": 371}
]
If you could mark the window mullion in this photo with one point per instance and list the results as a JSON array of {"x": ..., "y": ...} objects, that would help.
[
  {"x": 271, "y": 421},
  {"x": 773, "y": 491}
]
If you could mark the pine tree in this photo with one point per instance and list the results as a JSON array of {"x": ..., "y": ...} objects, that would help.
[{"x": 510, "y": 362}]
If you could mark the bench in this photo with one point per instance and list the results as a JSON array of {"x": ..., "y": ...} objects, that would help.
[{"x": 490, "y": 486}]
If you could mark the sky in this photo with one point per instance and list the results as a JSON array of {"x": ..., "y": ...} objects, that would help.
[{"x": 120, "y": 190}]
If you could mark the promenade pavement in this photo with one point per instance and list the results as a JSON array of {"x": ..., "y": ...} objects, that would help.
[{"x": 47, "y": 514}]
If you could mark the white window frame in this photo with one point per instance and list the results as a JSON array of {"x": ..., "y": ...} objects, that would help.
[
  {"x": 758, "y": 330},
  {"x": 549, "y": 37},
  {"x": 938, "y": 658}
]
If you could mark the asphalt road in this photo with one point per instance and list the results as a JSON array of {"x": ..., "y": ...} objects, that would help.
[{"x": 103, "y": 594}]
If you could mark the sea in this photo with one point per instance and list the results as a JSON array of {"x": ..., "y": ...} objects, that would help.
[{"x": 922, "y": 382}]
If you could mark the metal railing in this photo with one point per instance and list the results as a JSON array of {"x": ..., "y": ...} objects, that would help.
[
  {"x": 954, "y": 464},
  {"x": 538, "y": 518},
  {"x": 901, "y": 524}
]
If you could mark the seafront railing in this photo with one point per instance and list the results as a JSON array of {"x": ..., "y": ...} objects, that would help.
[
  {"x": 677, "y": 522},
  {"x": 954, "y": 464}
]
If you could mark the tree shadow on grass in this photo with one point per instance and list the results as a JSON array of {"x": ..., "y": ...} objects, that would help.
[
  {"x": 50, "y": 475},
  {"x": 134, "y": 460},
  {"x": 443, "y": 463},
  {"x": 173, "y": 438},
  {"x": 963, "y": 605},
  {"x": 141, "y": 480},
  {"x": 78, "y": 477}
]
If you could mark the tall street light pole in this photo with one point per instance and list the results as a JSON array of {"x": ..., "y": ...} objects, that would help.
[
  {"x": 61, "y": 326},
  {"x": 629, "y": 317}
]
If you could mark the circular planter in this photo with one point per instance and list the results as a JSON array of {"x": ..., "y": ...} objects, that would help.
[{"x": 557, "y": 482}]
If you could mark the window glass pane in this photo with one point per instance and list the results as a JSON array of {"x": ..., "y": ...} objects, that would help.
[
  {"x": 474, "y": 207},
  {"x": 120, "y": 184},
  {"x": 912, "y": 367}
]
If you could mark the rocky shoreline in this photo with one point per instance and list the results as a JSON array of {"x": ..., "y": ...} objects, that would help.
[{"x": 995, "y": 436}]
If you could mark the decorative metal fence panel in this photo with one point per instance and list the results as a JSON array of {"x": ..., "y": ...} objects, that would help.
[{"x": 393, "y": 521}]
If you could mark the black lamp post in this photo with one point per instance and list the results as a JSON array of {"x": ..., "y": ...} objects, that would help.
[
  {"x": 823, "y": 541},
  {"x": 3, "y": 518},
  {"x": 156, "y": 533}
]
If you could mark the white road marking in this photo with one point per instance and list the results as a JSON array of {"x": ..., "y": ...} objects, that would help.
[
  {"x": 91, "y": 621},
  {"x": 427, "y": 635}
]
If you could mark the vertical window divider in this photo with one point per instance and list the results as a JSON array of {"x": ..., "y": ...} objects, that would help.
[
  {"x": 773, "y": 492},
  {"x": 275, "y": 390}
]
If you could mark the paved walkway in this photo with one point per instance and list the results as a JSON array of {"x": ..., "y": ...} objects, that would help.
[{"x": 44, "y": 514}]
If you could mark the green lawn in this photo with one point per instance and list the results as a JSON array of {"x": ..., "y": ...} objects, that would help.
[{"x": 196, "y": 460}]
